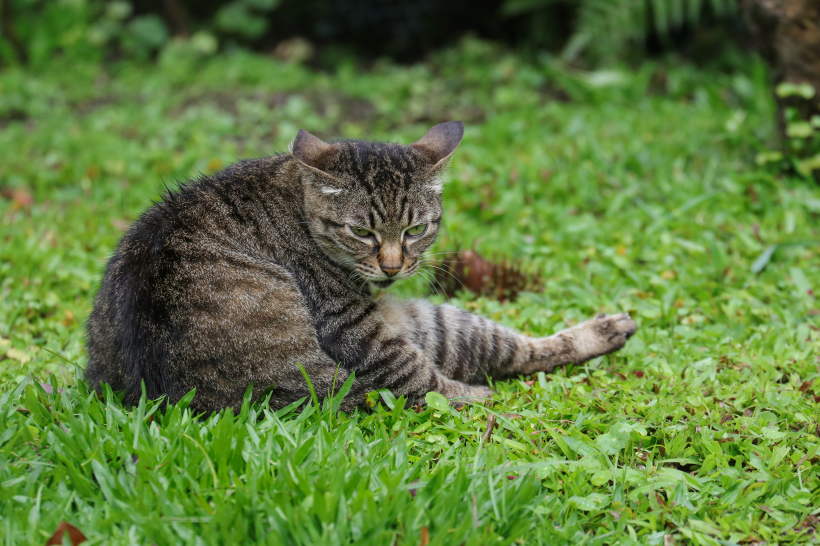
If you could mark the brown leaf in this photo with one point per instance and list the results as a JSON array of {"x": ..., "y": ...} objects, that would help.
[
  {"x": 660, "y": 499},
  {"x": 69, "y": 318},
  {"x": 490, "y": 425},
  {"x": 74, "y": 535},
  {"x": 502, "y": 280},
  {"x": 92, "y": 172},
  {"x": 412, "y": 490},
  {"x": 425, "y": 536},
  {"x": 655, "y": 388},
  {"x": 806, "y": 386},
  {"x": 20, "y": 198},
  {"x": 638, "y": 374},
  {"x": 511, "y": 415},
  {"x": 622, "y": 376},
  {"x": 725, "y": 417}
]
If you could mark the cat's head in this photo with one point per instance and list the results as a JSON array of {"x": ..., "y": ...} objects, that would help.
[{"x": 376, "y": 207}]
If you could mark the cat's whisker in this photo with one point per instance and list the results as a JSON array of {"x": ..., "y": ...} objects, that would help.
[
  {"x": 424, "y": 276},
  {"x": 433, "y": 276},
  {"x": 429, "y": 260},
  {"x": 449, "y": 273},
  {"x": 444, "y": 252}
]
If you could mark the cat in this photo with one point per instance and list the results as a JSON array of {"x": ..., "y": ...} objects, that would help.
[{"x": 236, "y": 277}]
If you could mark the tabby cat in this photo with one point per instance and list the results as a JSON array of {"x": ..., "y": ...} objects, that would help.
[{"x": 237, "y": 277}]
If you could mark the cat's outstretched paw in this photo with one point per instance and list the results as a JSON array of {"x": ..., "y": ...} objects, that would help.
[
  {"x": 477, "y": 394},
  {"x": 602, "y": 335},
  {"x": 468, "y": 394}
]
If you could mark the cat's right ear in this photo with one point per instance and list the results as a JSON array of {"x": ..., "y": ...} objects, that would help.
[
  {"x": 440, "y": 142},
  {"x": 313, "y": 152}
]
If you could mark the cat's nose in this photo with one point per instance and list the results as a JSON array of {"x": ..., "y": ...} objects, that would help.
[{"x": 390, "y": 270}]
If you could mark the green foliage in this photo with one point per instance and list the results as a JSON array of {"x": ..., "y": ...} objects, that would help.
[
  {"x": 606, "y": 29},
  {"x": 42, "y": 28},
  {"x": 92, "y": 29},
  {"x": 801, "y": 148},
  {"x": 244, "y": 18},
  {"x": 704, "y": 429}
]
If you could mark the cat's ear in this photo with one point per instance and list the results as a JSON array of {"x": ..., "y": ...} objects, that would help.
[
  {"x": 313, "y": 152},
  {"x": 440, "y": 142}
]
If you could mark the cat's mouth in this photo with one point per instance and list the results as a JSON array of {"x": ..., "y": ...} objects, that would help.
[{"x": 383, "y": 284}]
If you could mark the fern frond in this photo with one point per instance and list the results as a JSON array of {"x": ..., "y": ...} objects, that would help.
[{"x": 606, "y": 27}]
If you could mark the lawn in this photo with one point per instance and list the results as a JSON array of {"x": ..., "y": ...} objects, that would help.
[{"x": 625, "y": 190}]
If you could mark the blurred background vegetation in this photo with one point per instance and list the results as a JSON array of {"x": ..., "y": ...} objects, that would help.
[
  {"x": 582, "y": 34},
  {"x": 582, "y": 31}
]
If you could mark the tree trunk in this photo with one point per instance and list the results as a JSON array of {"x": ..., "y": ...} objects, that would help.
[{"x": 787, "y": 34}]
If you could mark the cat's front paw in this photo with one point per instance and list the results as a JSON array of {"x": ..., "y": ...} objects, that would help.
[
  {"x": 476, "y": 394},
  {"x": 603, "y": 335}
]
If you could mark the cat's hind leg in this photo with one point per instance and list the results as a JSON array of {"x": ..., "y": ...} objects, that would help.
[
  {"x": 470, "y": 348},
  {"x": 247, "y": 322}
]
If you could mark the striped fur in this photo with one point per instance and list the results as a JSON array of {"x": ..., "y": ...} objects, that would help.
[{"x": 237, "y": 277}]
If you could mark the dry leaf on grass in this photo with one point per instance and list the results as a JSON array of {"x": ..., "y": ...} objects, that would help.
[
  {"x": 425, "y": 536},
  {"x": 502, "y": 280},
  {"x": 75, "y": 535},
  {"x": 20, "y": 198}
]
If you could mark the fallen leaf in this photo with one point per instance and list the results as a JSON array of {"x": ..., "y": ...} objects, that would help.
[
  {"x": 502, "y": 280},
  {"x": 806, "y": 386},
  {"x": 638, "y": 374},
  {"x": 412, "y": 490},
  {"x": 660, "y": 499},
  {"x": 425, "y": 536},
  {"x": 16, "y": 354},
  {"x": 69, "y": 318},
  {"x": 490, "y": 425},
  {"x": 20, "y": 198},
  {"x": 74, "y": 535}
]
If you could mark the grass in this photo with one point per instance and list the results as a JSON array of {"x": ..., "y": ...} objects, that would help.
[{"x": 626, "y": 194}]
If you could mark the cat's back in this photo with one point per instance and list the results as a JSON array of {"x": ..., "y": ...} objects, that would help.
[{"x": 173, "y": 247}]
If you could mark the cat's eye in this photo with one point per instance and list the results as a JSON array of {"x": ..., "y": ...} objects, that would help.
[
  {"x": 415, "y": 231},
  {"x": 361, "y": 232}
]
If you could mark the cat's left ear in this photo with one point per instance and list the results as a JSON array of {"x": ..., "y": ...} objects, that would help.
[
  {"x": 313, "y": 152},
  {"x": 440, "y": 142}
]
